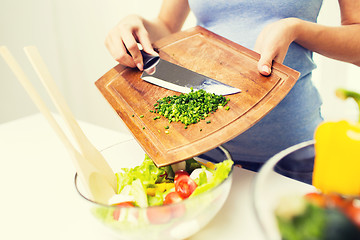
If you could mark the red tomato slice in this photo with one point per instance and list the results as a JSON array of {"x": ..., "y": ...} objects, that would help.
[
  {"x": 180, "y": 173},
  {"x": 117, "y": 211},
  {"x": 159, "y": 215},
  {"x": 185, "y": 186},
  {"x": 172, "y": 197},
  {"x": 178, "y": 210},
  {"x": 125, "y": 204}
]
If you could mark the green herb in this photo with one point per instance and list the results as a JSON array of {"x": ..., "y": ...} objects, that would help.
[
  {"x": 227, "y": 108},
  {"x": 189, "y": 108},
  {"x": 141, "y": 116},
  {"x": 166, "y": 127}
]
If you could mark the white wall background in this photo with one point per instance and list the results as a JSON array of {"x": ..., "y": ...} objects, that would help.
[
  {"x": 332, "y": 74},
  {"x": 70, "y": 36}
]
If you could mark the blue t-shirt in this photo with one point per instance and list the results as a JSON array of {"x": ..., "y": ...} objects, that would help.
[{"x": 295, "y": 118}]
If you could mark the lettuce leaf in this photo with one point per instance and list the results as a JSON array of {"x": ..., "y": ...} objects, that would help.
[
  {"x": 156, "y": 200},
  {"x": 220, "y": 174},
  {"x": 202, "y": 177},
  {"x": 147, "y": 173},
  {"x": 138, "y": 192}
]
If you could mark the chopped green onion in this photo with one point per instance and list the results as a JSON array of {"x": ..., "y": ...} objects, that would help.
[{"x": 189, "y": 108}]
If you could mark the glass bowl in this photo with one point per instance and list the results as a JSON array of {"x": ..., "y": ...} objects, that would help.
[
  {"x": 173, "y": 221},
  {"x": 286, "y": 174}
]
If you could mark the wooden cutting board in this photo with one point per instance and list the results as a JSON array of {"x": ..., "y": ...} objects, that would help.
[{"x": 214, "y": 56}]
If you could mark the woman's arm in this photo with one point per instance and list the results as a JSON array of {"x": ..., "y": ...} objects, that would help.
[
  {"x": 135, "y": 29},
  {"x": 341, "y": 43}
]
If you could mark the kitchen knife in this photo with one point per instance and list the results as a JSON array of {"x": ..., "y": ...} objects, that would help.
[{"x": 174, "y": 77}]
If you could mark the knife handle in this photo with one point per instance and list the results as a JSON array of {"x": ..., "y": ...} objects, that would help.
[{"x": 149, "y": 60}]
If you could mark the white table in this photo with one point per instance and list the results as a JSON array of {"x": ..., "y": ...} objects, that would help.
[{"x": 38, "y": 199}]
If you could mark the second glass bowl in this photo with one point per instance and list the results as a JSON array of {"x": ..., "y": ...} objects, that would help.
[{"x": 287, "y": 174}]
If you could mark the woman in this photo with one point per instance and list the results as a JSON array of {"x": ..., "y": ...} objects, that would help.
[{"x": 282, "y": 31}]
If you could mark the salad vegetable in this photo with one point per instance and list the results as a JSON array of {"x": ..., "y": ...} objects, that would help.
[
  {"x": 189, "y": 108},
  {"x": 334, "y": 211},
  {"x": 319, "y": 216},
  {"x": 156, "y": 203},
  {"x": 147, "y": 185},
  {"x": 337, "y": 145}
]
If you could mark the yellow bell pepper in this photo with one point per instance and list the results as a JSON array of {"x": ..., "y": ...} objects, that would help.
[
  {"x": 337, "y": 154},
  {"x": 159, "y": 187}
]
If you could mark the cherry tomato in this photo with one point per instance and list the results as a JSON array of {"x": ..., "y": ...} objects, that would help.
[
  {"x": 316, "y": 198},
  {"x": 172, "y": 197},
  {"x": 180, "y": 173},
  {"x": 125, "y": 204},
  {"x": 117, "y": 211},
  {"x": 334, "y": 200},
  {"x": 350, "y": 207},
  {"x": 185, "y": 186},
  {"x": 178, "y": 210},
  {"x": 159, "y": 214},
  {"x": 352, "y": 210}
]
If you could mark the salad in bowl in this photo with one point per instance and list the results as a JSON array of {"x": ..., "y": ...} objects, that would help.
[{"x": 171, "y": 202}]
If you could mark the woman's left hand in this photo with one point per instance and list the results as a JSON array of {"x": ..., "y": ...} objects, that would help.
[{"x": 273, "y": 43}]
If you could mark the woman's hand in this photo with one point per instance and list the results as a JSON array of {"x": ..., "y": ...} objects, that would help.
[
  {"x": 122, "y": 41},
  {"x": 273, "y": 43}
]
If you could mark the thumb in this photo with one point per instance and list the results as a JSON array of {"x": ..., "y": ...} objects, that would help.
[{"x": 265, "y": 64}]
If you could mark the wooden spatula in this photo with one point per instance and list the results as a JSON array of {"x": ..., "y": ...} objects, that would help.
[{"x": 91, "y": 167}]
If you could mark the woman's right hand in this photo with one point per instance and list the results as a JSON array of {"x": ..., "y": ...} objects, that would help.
[{"x": 122, "y": 42}]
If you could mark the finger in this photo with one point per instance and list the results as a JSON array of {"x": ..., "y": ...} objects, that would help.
[
  {"x": 131, "y": 45},
  {"x": 144, "y": 39},
  {"x": 125, "y": 57},
  {"x": 116, "y": 48}
]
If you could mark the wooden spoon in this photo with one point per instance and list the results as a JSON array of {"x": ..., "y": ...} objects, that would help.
[
  {"x": 94, "y": 171},
  {"x": 87, "y": 149}
]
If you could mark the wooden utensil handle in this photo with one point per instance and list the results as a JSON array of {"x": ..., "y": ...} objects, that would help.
[
  {"x": 87, "y": 149},
  {"x": 29, "y": 88}
]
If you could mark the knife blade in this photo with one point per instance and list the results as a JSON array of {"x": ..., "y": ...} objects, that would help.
[{"x": 174, "y": 77}]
